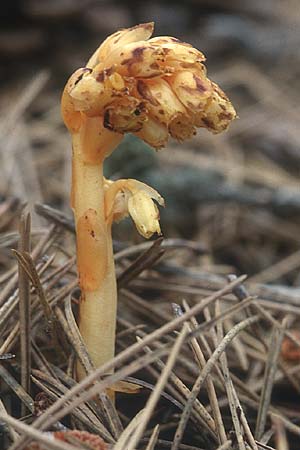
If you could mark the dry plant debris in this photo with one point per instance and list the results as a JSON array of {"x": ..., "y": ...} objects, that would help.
[{"x": 199, "y": 380}]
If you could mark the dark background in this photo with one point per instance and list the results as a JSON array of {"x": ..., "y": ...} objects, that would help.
[{"x": 238, "y": 193}]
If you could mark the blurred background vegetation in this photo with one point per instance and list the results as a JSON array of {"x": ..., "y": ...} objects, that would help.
[{"x": 237, "y": 193}]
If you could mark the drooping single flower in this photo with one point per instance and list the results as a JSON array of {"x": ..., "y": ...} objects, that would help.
[{"x": 133, "y": 198}]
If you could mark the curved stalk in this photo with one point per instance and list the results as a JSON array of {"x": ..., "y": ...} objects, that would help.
[{"x": 97, "y": 317}]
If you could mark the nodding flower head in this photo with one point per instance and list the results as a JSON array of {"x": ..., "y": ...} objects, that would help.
[{"x": 154, "y": 88}]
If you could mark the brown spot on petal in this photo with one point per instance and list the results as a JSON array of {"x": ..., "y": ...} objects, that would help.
[
  {"x": 138, "y": 53},
  {"x": 141, "y": 108},
  {"x": 225, "y": 116},
  {"x": 137, "y": 56},
  {"x": 109, "y": 71},
  {"x": 154, "y": 66},
  {"x": 118, "y": 37},
  {"x": 200, "y": 84},
  {"x": 85, "y": 70},
  {"x": 181, "y": 128},
  {"x": 106, "y": 121},
  {"x": 104, "y": 74},
  {"x": 208, "y": 123},
  {"x": 125, "y": 116},
  {"x": 188, "y": 89},
  {"x": 100, "y": 77},
  {"x": 144, "y": 92},
  {"x": 187, "y": 65}
]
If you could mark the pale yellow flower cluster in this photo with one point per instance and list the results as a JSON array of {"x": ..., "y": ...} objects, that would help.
[{"x": 152, "y": 87}]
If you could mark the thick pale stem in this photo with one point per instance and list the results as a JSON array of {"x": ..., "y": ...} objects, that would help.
[{"x": 95, "y": 262}]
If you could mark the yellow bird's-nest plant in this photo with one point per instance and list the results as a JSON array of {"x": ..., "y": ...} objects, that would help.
[{"x": 153, "y": 88}]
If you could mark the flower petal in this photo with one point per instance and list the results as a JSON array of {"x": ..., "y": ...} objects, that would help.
[
  {"x": 181, "y": 127},
  {"x": 141, "y": 32},
  {"x": 138, "y": 59},
  {"x": 218, "y": 112},
  {"x": 192, "y": 89},
  {"x": 135, "y": 185},
  {"x": 154, "y": 133},
  {"x": 162, "y": 40},
  {"x": 162, "y": 103},
  {"x": 89, "y": 95},
  {"x": 125, "y": 115},
  {"x": 176, "y": 50},
  {"x": 94, "y": 91},
  {"x": 144, "y": 213},
  {"x": 118, "y": 194}
]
